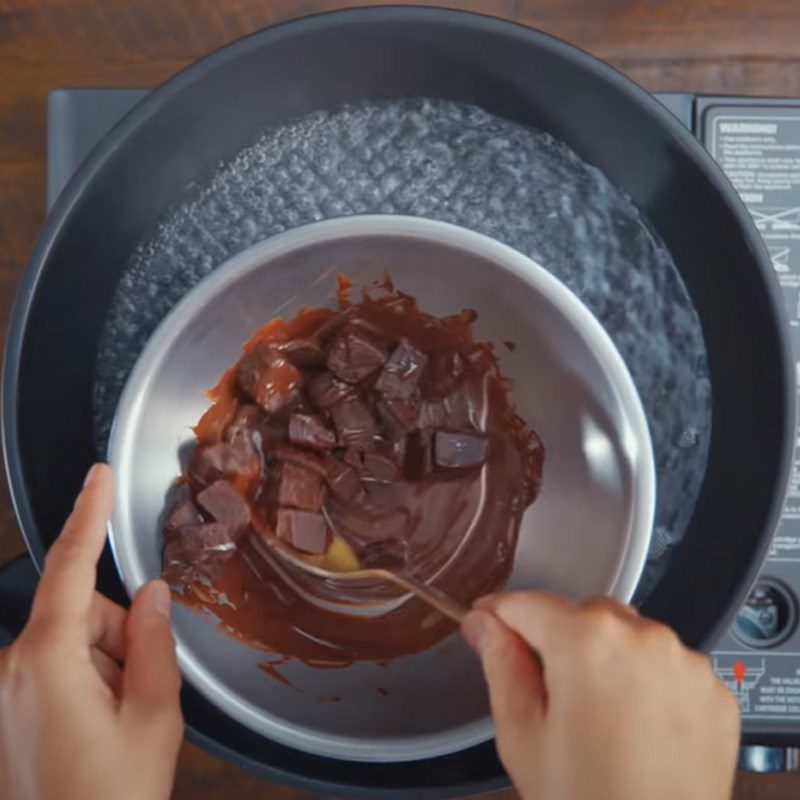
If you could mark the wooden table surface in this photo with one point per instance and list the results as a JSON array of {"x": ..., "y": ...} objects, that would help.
[{"x": 712, "y": 46}]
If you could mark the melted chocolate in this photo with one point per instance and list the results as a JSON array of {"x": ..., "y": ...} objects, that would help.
[{"x": 371, "y": 435}]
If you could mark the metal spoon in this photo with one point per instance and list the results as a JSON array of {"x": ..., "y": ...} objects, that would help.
[{"x": 430, "y": 594}]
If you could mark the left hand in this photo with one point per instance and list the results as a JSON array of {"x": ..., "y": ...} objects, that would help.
[{"x": 89, "y": 705}]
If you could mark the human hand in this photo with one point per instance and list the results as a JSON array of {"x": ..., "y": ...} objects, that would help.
[
  {"x": 616, "y": 708},
  {"x": 89, "y": 693}
]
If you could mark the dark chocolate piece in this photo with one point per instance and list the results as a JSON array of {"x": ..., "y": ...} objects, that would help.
[
  {"x": 303, "y": 530},
  {"x": 223, "y": 460},
  {"x": 252, "y": 425},
  {"x": 459, "y": 449},
  {"x": 326, "y": 390},
  {"x": 356, "y": 353},
  {"x": 300, "y": 456},
  {"x": 308, "y": 430},
  {"x": 459, "y": 409},
  {"x": 419, "y": 454},
  {"x": 380, "y": 465},
  {"x": 248, "y": 419},
  {"x": 344, "y": 481},
  {"x": 397, "y": 416},
  {"x": 400, "y": 376},
  {"x": 212, "y": 537},
  {"x": 197, "y": 551},
  {"x": 225, "y": 504},
  {"x": 355, "y": 425},
  {"x": 354, "y": 458},
  {"x": 444, "y": 373},
  {"x": 299, "y": 487},
  {"x": 183, "y": 513},
  {"x": 305, "y": 354},
  {"x": 268, "y": 377}
]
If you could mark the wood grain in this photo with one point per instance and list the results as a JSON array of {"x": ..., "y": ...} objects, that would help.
[{"x": 712, "y": 46}]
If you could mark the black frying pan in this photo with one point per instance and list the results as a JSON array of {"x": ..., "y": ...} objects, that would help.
[{"x": 216, "y": 106}]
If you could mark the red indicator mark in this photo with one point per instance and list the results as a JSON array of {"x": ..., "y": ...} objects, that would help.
[{"x": 739, "y": 670}]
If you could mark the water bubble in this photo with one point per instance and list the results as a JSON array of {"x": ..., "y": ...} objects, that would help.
[{"x": 688, "y": 439}]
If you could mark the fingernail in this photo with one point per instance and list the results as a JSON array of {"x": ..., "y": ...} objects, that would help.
[
  {"x": 91, "y": 475},
  {"x": 476, "y": 629},
  {"x": 161, "y": 598}
]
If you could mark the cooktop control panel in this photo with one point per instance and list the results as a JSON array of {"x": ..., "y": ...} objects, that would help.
[{"x": 756, "y": 141}]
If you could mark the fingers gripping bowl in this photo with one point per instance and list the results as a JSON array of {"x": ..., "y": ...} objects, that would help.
[{"x": 587, "y": 533}]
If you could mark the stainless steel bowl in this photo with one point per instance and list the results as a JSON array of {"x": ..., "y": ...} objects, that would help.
[{"x": 586, "y": 534}]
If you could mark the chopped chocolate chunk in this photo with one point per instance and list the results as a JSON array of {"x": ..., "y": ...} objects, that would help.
[
  {"x": 268, "y": 377},
  {"x": 303, "y": 530},
  {"x": 197, "y": 551},
  {"x": 215, "y": 537},
  {"x": 400, "y": 376},
  {"x": 433, "y": 413},
  {"x": 383, "y": 464},
  {"x": 326, "y": 390},
  {"x": 308, "y": 430},
  {"x": 225, "y": 504},
  {"x": 380, "y": 468},
  {"x": 344, "y": 481},
  {"x": 354, "y": 458},
  {"x": 299, "y": 487},
  {"x": 355, "y": 425},
  {"x": 305, "y": 354},
  {"x": 300, "y": 456},
  {"x": 391, "y": 448},
  {"x": 248, "y": 418},
  {"x": 356, "y": 353},
  {"x": 223, "y": 460},
  {"x": 183, "y": 513},
  {"x": 398, "y": 417},
  {"x": 459, "y": 409},
  {"x": 419, "y": 454},
  {"x": 459, "y": 449},
  {"x": 251, "y": 424},
  {"x": 275, "y": 429},
  {"x": 444, "y": 373}
]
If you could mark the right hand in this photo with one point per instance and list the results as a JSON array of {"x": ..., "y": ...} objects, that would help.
[{"x": 614, "y": 708}]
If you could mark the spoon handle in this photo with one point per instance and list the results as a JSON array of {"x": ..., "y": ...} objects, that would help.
[{"x": 431, "y": 595}]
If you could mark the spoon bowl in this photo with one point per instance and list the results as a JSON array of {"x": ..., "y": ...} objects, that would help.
[{"x": 288, "y": 563}]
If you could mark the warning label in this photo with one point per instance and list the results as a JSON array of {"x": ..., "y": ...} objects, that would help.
[
  {"x": 762, "y": 160},
  {"x": 759, "y": 149},
  {"x": 759, "y": 692}
]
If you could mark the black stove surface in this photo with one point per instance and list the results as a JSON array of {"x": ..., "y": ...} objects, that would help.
[{"x": 757, "y": 143}]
